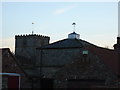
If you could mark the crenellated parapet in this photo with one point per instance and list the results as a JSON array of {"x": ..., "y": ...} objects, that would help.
[
  {"x": 30, "y": 35},
  {"x": 25, "y": 46}
]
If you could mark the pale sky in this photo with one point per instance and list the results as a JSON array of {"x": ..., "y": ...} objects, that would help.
[{"x": 96, "y": 22}]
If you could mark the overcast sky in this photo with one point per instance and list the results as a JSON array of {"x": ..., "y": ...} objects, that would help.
[{"x": 96, "y": 22}]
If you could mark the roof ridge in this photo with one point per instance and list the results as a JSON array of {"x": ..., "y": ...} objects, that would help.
[{"x": 65, "y": 43}]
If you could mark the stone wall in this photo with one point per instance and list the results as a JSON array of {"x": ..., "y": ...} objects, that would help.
[
  {"x": 52, "y": 60},
  {"x": 57, "y": 57},
  {"x": 25, "y": 46}
]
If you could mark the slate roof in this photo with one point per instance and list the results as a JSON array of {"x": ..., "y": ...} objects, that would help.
[{"x": 66, "y": 43}]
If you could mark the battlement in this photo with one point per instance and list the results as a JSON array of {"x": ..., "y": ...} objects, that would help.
[
  {"x": 25, "y": 46},
  {"x": 32, "y": 35}
]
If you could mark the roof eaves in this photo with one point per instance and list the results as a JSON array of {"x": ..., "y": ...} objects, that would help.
[{"x": 59, "y": 48}]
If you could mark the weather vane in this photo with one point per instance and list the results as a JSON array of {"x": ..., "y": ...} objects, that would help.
[{"x": 73, "y": 26}]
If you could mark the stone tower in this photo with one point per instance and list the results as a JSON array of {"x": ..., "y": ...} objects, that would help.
[{"x": 25, "y": 47}]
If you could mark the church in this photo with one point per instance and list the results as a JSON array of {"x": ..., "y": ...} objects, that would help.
[{"x": 68, "y": 63}]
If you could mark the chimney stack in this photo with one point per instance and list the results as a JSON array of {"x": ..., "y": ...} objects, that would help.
[
  {"x": 117, "y": 46},
  {"x": 118, "y": 42},
  {"x": 118, "y": 50}
]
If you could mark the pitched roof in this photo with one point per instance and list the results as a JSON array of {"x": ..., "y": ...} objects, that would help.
[
  {"x": 66, "y": 43},
  {"x": 9, "y": 62}
]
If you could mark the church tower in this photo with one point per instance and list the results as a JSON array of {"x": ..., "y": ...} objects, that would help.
[{"x": 25, "y": 47}]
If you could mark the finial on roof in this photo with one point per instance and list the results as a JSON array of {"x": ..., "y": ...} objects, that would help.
[{"x": 73, "y": 26}]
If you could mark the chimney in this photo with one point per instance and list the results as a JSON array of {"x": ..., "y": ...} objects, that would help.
[
  {"x": 118, "y": 50},
  {"x": 118, "y": 41},
  {"x": 117, "y": 46}
]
